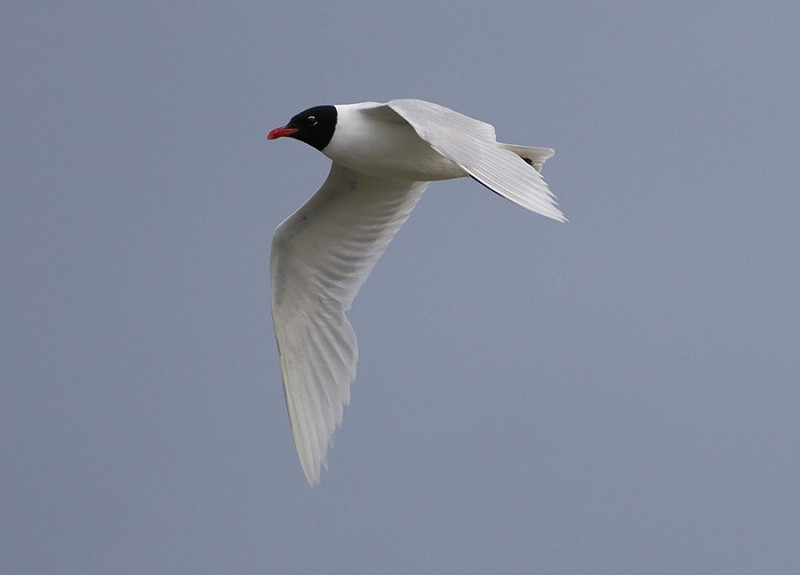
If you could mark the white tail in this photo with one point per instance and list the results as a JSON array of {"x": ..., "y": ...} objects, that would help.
[{"x": 534, "y": 156}]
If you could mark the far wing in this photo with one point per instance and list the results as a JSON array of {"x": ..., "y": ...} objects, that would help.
[
  {"x": 472, "y": 145},
  {"x": 321, "y": 255}
]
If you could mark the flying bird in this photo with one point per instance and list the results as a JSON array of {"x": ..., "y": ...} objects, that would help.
[{"x": 384, "y": 156}]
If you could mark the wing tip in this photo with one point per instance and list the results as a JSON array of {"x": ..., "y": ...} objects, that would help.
[{"x": 313, "y": 475}]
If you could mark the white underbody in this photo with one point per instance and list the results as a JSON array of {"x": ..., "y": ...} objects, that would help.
[{"x": 393, "y": 151}]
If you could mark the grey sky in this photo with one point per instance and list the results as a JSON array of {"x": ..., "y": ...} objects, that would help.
[{"x": 614, "y": 395}]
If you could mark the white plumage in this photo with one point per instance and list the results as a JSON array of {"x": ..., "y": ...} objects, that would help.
[{"x": 383, "y": 156}]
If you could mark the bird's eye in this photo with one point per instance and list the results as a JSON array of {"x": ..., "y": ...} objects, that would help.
[{"x": 311, "y": 120}]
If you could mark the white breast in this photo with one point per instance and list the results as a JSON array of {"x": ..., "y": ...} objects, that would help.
[{"x": 371, "y": 145}]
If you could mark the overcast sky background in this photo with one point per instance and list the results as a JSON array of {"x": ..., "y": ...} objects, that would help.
[{"x": 619, "y": 394}]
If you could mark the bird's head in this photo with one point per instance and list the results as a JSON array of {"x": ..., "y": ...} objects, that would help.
[{"x": 314, "y": 126}]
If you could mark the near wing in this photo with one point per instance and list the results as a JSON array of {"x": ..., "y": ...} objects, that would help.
[
  {"x": 472, "y": 145},
  {"x": 321, "y": 255}
]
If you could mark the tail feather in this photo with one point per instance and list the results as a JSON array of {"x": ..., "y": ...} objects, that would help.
[{"x": 534, "y": 156}]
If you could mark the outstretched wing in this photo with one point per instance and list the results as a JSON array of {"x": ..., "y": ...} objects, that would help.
[
  {"x": 472, "y": 145},
  {"x": 321, "y": 255}
]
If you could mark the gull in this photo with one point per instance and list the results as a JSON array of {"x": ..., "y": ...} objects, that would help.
[{"x": 384, "y": 156}]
